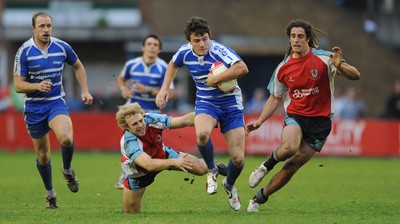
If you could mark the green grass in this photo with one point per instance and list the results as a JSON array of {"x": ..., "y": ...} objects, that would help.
[{"x": 325, "y": 190}]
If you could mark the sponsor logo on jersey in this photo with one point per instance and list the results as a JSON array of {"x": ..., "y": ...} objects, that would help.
[
  {"x": 304, "y": 92},
  {"x": 222, "y": 50}
]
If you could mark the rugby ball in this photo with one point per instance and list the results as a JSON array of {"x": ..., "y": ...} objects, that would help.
[{"x": 226, "y": 86}]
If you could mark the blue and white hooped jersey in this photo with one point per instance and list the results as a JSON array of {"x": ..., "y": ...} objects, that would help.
[
  {"x": 199, "y": 67},
  {"x": 152, "y": 144},
  {"x": 153, "y": 75},
  {"x": 38, "y": 65}
]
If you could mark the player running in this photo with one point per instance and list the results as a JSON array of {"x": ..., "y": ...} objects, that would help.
[
  {"x": 303, "y": 82},
  {"x": 212, "y": 105}
]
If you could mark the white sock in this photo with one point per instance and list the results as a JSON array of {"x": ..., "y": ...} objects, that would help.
[
  {"x": 51, "y": 193},
  {"x": 68, "y": 171}
]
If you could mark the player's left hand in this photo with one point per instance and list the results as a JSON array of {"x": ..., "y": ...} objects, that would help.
[
  {"x": 87, "y": 99},
  {"x": 211, "y": 81}
]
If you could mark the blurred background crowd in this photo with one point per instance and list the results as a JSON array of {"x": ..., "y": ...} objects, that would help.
[{"x": 105, "y": 34}]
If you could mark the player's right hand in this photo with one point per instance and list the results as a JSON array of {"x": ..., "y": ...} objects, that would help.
[
  {"x": 127, "y": 93},
  {"x": 183, "y": 163},
  {"x": 162, "y": 98},
  {"x": 251, "y": 127},
  {"x": 87, "y": 98}
]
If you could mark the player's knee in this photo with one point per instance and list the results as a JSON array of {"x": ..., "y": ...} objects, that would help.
[
  {"x": 286, "y": 151},
  {"x": 237, "y": 161},
  {"x": 202, "y": 138},
  {"x": 66, "y": 141},
  {"x": 43, "y": 157}
]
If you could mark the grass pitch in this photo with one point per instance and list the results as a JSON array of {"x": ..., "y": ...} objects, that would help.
[{"x": 326, "y": 190}]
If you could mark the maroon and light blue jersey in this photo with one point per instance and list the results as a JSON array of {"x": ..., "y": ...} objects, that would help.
[
  {"x": 306, "y": 84},
  {"x": 152, "y": 144}
]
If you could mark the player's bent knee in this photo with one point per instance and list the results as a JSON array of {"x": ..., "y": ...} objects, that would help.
[
  {"x": 237, "y": 161},
  {"x": 287, "y": 151},
  {"x": 202, "y": 138},
  {"x": 66, "y": 141}
]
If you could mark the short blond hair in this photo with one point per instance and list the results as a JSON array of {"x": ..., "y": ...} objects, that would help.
[{"x": 126, "y": 110}]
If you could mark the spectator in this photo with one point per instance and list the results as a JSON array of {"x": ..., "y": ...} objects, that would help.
[
  {"x": 392, "y": 106},
  {"x": 256, "y": 104},
  {"x": 350, "y": 106},
  {"x": 369, "y": 25},
  {"x": 74, "y": 104}
]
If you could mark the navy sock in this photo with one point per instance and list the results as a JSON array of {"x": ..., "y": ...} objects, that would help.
[
  {"x": 233, "y": 173},
  {"x": 45, "y": 173},
  {"x": 259, "y": 197},
  {"x": 67, "y": 153},
  {"x": 271, "y": 161},
  {"x": 207, "y": 152}
]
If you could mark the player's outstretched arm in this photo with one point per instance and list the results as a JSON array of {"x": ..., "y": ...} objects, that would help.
[
  {"x": 154, "y": 165},
  {"x": 182, "y": 121}
]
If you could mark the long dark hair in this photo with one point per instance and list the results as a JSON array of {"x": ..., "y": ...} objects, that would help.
[{"x": 308, "y": 29}]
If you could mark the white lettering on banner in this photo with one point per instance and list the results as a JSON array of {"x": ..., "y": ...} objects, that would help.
[
  {"x": 345, "y": 138},
  {"x": 346, "y": 132}
]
